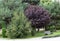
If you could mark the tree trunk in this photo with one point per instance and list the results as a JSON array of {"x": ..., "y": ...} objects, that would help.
[
  {"x": 38, "y": 29},
  {"x": 33, "y": 31}
]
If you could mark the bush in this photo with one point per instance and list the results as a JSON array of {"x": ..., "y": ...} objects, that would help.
[
  {"x": 31, "y": 1},
  {"x": 6, "y": 9},
  {"x": 53, "y": 8},
  {"x": 38, "y": 16},
  {"x": 19, "y": 26},
  {"x": 3, "y": 28}
]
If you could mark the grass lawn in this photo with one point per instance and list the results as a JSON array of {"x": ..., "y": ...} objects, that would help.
[
  {"x": 57, "y": 33},
  {"x": 40, "y": 34}
]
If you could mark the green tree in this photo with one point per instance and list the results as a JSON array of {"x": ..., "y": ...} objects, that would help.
[
  {"x": 7, "y": 8},
  {"x": 19, "y": 26},
  {"x": 54, "y": 9}
]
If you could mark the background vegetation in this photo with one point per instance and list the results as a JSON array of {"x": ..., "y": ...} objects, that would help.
[
  {"x": 54, "y": 9},
  {"x": 15, "y": 24}
]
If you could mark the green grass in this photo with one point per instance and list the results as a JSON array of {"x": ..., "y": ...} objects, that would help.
[
  {"x": 55, "y": 33},
  {"x": 40, "y": 34}
]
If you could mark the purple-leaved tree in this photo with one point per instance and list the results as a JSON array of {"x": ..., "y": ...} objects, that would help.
[{"x": 38, "y": 16}]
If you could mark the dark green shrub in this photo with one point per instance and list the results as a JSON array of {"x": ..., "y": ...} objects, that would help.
[
  {"x": 31, "y": 1},
  {"x": 19, "y": 26},
  {"x": 3, "y": 29},
  {"x": 6, "y": 9},
  {"x": 54, "y": 9}
]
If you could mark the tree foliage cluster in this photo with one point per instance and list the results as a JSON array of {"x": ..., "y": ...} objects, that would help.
[
  {"x": 16, "y": 23},
  {"x": 54, "y": 8},
  {"x": 38, "y": 16}
]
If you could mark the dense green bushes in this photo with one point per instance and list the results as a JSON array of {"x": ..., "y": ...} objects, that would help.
[
  {"x": 3, "y": 29},
  {"x": 54, "y": 9},
  {"x": 19, "y": 26},
  {"x": 16, "y": 25},
  {"x": 31, "y": 1}
]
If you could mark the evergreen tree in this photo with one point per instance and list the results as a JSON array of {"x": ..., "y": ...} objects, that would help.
[
  {"x": 19, "y": 26},
  {"x": 11, "y": 13}
]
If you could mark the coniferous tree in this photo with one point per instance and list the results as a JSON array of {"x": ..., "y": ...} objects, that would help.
[{"x": 19, "y": 26}]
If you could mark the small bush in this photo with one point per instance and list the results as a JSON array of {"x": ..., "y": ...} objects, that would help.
[{"x": 3, "y": 29}]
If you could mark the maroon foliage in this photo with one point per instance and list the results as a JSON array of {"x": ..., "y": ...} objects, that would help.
[{"x": 38, "y": 16}]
